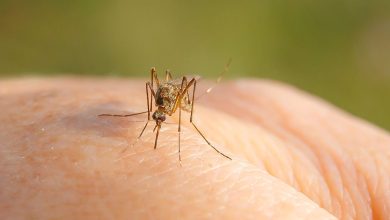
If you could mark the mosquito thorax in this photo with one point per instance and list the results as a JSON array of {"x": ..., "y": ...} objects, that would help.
[{"x": 166, "y": 95}]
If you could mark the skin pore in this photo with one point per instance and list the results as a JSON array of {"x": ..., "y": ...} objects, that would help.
[{"x": 294, "y": 156}]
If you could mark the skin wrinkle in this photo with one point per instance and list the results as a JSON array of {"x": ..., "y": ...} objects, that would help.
[
  {"x": 346, "y": 200},
  {"x": 283, "y": 119},
  {"x": 380, "y": 200},
  {"x": 250, "y": 110},
  {"x": 241, "y": 101},
  {"x": 330, "y": 178},
  {"x": 346, "y": 177},
  {"x": 385, "y": 151},
  {"x": 255, "y": 158},
  {"x": 273, "y": 145},
  {"x": 372, "y": 172}
]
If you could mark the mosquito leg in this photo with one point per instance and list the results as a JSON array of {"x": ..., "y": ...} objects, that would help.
[
  {"x": 152, "y": 90},
  {"x": 168, "y": 75},
  {"x": 179, "y": 96},
  {"x": 155, "y": 141},
  {"x": 147, "y": 100},
  {"x": 151, "y": 82},
  {"x": 183, "y": 85},
  {"x": 209, "y": 142},
  {"x": 193, "y": 100},
  {"x": 149, "y": 106},
  {"x": 139, "y": 136},
  {"x": 193, "y": 81},
  {"x": 152, "y": 70},
  {"x": 188, "y": 97},
  {"x": 152, "y": 96},
  {"x": 179, "y": 130},
  {"x": 147, "y": 86},
  {"x": 153, "y": 77},
  {"x": 137, "y": 139},
  {"x": 184, "y": 90},
  {"x": 178, "y": 105},
  {"x": 126, "y": 115}
]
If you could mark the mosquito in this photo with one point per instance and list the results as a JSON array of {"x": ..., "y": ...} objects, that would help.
[{"x": 170, "y": 96}]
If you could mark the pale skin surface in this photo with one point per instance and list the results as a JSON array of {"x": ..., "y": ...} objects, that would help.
[{"x": 294, "y": 156}]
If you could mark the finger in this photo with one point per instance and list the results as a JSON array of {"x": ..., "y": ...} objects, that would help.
[
  {"x": 58, "y": 159},
  {"x": 338, "y": 160}
]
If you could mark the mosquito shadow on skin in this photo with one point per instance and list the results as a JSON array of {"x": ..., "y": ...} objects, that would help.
[{"x": 88, "y": 120}]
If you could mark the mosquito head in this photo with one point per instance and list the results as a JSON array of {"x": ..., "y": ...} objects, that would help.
[{"x": 159, "y": 116}]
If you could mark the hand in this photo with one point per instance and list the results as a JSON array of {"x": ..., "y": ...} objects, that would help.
[{"x": 294, "y": 156}]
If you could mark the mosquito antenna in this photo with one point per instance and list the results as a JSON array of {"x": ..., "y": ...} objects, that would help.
[
  {"x": 126, "y": 115},
  {"x": 226, "y": 69}
]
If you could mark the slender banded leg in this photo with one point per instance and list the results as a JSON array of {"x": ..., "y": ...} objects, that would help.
[
  {"x": 183, "y": 84},
  {"x": 127, "y": 115},
  {"x": 168, "y": 76},
  {"x": 179, "y": 130},
  {"x": 158, "y": 131},
  {"x": 179, "y": 96},
  {"x": 138, "y": 113},
  {"x": 147, "y": 99},
  {"x": 152, "y": 71},
  {"x": 153, "y": 77},
  {"x": 153, "y": 95},
  {"x": 147, "y": 87},
  {"x": 193, "y": 81}
]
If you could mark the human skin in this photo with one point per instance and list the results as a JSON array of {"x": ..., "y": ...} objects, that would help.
[{"x": 293, "y": 155}]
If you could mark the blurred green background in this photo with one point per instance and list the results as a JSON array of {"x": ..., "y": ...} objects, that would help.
[{"x": 337, "y": 49}]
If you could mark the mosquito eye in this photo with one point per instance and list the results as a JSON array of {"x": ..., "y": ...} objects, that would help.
[{"x": 158, "y": 116}]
